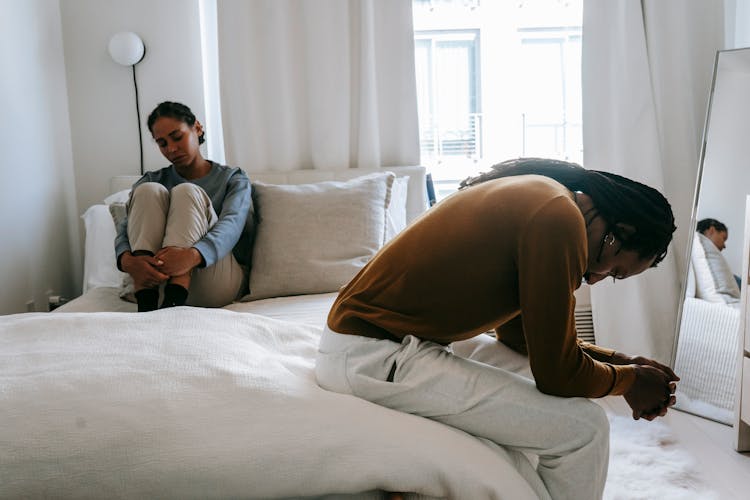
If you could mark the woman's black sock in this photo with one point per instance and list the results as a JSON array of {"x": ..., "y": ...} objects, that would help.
[
  {"x": 174, "y": 295},
  {"x": 148, "y": 299}
]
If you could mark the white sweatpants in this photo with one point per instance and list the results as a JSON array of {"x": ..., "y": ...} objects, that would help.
[
  {"x": 159, "y": 218},
  {"x": 570, "y": 436}
]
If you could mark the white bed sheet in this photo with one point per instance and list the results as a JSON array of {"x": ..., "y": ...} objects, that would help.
[{"x": 210, "y": 403}]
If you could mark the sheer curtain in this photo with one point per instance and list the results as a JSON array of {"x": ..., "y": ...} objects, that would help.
[
  {"x": 647, "y": 68},
  {"x": 324, "y": 84}
]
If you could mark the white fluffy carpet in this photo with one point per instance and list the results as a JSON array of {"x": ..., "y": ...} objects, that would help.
[{"x": 646, "y": 463}]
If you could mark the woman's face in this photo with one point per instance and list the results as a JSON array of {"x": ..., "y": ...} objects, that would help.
[
  {"x": 177, "y": 140},
  {"x": 719, "y": 238},
  {"x": 614, "y": 262}
]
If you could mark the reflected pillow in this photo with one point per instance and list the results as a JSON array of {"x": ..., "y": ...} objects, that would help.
[
  {"x": 690, "y": 288},
  {"x": 313, "y": 238},
  {"x": 714, "y": 280}
]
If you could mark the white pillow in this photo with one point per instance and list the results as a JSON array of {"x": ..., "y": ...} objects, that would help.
[
  {"x": 313, "y": 238},
  {"x": 395, "y": 220},
  {"x": 714, "y": 280},
  {"x": 99, "y": 267},
  {"x": 118, "y": 197}
]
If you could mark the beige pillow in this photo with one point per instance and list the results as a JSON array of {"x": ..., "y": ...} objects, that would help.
[{"x": 313, "y": 238}]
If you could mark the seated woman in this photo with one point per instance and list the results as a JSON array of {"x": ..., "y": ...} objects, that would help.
[
  {"x": 188, "y": 225},
  {"x": 507, "y": 252}
]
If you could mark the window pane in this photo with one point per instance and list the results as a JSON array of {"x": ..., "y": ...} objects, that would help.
[
  {"x": 455, "y": 97},
  {"x": 423, "y": 68},
  {"x": 540, "y": 73},
  {"x": 447, "y": 87},
  {"x": 573, "y": 79}
]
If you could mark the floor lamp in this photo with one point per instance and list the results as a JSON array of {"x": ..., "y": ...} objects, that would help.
[{"x": 127, "y": 48}]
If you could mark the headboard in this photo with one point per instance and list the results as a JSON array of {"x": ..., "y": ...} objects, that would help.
[{"x": 416, "y": 202}]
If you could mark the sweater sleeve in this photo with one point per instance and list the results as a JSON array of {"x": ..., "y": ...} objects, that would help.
[
  {"x": 224, "y": 235},
  {"x": 551, "y": 261},
  {"x": 511, "y": 334},
  {"x": 603, "y": 354}
]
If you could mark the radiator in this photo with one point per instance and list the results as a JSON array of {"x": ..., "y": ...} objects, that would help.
[{"x": 585, "y": 324}]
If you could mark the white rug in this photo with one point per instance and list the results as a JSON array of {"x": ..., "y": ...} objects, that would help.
[{"x": 646, "y": 464}]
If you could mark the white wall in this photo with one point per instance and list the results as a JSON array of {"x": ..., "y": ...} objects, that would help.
[
  {"x": 101, "y": 94},
  {"x": 39, "y": 243}
]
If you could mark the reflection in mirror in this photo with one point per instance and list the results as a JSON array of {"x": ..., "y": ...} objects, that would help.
[{"x": 707, "y": 349}]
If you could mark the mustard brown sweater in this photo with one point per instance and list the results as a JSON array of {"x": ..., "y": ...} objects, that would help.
[{"x": 505, "y": 254}]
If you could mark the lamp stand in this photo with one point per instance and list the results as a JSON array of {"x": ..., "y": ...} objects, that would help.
[
  {"x": 138, "y": 114},
  {"x": 127, "y": 49}
]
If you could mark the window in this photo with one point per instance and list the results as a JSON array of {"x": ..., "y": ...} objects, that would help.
[{"x": 496, "y": 80}]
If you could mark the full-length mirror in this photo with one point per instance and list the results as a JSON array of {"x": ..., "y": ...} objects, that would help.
[{"x": 707, "y": 350}]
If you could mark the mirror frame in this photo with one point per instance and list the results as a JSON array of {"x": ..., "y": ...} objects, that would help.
[
  {"x": 693, "y": 221},
  {"x": 694, "y": 211}
]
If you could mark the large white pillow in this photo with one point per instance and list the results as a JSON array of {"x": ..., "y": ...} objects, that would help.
[
  {"x": 395, "y": 217},
  {"x": 99, "y": 267},
  {"x": 313, "y": 238},
  {"x": 714, "y": 280}
]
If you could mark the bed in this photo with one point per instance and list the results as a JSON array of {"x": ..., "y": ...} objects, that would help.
[{"x": 97, "y": 401}]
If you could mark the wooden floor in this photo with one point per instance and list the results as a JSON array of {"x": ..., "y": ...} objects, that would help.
[{"x": 709, "y": 443}]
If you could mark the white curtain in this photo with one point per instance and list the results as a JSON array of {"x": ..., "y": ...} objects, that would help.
[
  {"x": 323, "y": 84},
  {"x": 647, "y": 69}
]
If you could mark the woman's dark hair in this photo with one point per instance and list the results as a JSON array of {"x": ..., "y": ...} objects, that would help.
[
  {"x": 174, "y": 110},
  {"x": 617, "y": 199},
  {"x": 706, "y": 224}
]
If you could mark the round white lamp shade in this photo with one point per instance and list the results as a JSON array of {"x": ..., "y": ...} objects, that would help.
[{"x": 126, "y": 48}]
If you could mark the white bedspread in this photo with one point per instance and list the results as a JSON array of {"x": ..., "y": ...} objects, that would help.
[{"x": 200, "y": 403}]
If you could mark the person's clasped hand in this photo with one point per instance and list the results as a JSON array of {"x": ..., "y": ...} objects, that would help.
[
  {"x": 652, "y": 392},
  {"x": 145, "y": 270},
  {"x": 178, "y": 261}
]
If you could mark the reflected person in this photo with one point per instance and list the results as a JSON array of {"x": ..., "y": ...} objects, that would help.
[{"x": 718, "y": 233}]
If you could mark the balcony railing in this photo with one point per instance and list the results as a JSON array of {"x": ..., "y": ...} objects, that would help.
[{"x": 462, "y": 141}]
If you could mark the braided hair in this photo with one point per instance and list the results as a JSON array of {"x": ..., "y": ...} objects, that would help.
[
  {"x": 617, "y": 199},
  {"x": 174, "y": 110}
]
